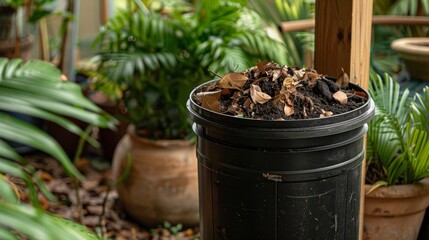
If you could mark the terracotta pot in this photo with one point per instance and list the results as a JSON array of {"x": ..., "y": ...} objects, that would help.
[
  {"x": 395, "y": 212},
  {"x": 162, "y": 184},
  {"x": 7, "y": 48},
  {"x": 415, "y": 52}
]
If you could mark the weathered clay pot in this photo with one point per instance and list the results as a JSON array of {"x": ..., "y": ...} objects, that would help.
[
  {"x": 415, "y": 52},
  {"x": 7, "y": 48},
  {"x": 395, "y": 212},
  {"x": 162, "y": 184}
]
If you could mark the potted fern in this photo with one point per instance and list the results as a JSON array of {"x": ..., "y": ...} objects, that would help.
[
  {"x": 397, "y": 191},
  {"x": 155, "y": 55}
]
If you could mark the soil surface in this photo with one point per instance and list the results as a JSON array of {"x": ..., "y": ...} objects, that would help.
[
  {"x": 97, "y": 207},
  {"x": 272, "y": 92}
]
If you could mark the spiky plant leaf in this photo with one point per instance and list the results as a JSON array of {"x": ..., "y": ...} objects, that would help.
[
  {"x": 36, "y": 224},
  {"x": 35, "y": 88},
  {"x": 6, "y": 191},
  {"x": 397, "y": 136}
]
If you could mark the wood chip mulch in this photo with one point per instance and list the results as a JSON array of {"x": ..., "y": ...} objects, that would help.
[{"x": 109, "y": 222}]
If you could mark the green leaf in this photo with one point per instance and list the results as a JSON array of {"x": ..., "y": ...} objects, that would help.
[
  {"x": 7, "y": 235},
  {"x": 377, "y": 185},
  {"x": 14, "y": 169},
  {"x": 26, "y": 107},
  {"x": 6, "y": 192},
  {"x": 20, "y": 131},
  {"x": 37, "y": 224},
  {"x": 7, "y": 151},
  {"x": 398, "y": 134}
]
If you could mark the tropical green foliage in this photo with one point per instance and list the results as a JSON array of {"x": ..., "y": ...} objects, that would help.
[
  {"x": 37, "y": 8},
  {"x": 157, "y": 54},
  {"x": 35, "y": 88},
  {"x": 275, "y": 12},
  {"x": 401, "y": 7},
  {"x": 398, "y": 136},
  {"x": 384, "y": 58}
]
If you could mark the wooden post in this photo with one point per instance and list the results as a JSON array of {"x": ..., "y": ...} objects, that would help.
[{"x": 342, "y": 40}]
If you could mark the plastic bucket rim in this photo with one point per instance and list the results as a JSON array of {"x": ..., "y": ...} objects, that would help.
[{"x": 362, "y": 114}]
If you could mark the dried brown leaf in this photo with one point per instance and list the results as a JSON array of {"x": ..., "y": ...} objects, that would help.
[
  {"x": 288, "y": 86},
  {"x": 45, "y": 176},
  {"x": 248, "y": 104},
  {"x": 277, "y": 73},
  {"x": 288, "y": 110},
  {"x": 341, "y": 97},
  {"x": 326, "y": 113},
  {"x": 299, "y": 75},
  {"x": 257, "y": 95},
  {"x": 210, "y": 100},
  {"x": 262, "y": 65},
  {"x": 360, "y": 93},
  {"x": 313, "y": 74},
  {"x": 233, "y": 81},
  {"x": 284, "y": 71},
  {"x": 343, "y": 80},
  {"x": 310, "y": 102}
]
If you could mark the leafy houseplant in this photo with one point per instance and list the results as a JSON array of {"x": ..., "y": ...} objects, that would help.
[
  {"x": 155, "y": 55},
  {"x": 398, "y": 137},
  {"x": 50, "y": 99},
  {"x": 398, "y": 161}
]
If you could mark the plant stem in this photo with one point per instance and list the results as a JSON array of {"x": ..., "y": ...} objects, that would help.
[{"x": 79, "y": 207}]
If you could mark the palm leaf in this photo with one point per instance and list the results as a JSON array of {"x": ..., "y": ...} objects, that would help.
[
  {"x": 278, "y": 11},
  {"x": 35, "y": 88},
  {"x": 397, "y": 136},
  {"x": 15, "y": 170},
  {"x": 36, "y": 224},
  {"x": 6, "y": 191},
  {"x": 420, "y": 109}
]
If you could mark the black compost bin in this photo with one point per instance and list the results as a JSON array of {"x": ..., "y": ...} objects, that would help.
[{"x": 294, "y": 179}]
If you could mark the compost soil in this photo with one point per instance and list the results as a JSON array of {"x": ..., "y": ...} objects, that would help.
[{"x": 270, "y": 91}]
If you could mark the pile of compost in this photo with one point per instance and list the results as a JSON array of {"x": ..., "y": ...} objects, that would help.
[{"x": 270, "y": 91}]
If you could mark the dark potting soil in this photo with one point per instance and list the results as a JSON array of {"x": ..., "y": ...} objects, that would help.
[{"x": 273, "y": 92}]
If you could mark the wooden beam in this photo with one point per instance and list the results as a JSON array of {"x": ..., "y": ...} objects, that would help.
[
  {"x": 401, "y": 20},
  {"x": 333, "y": 32},
  {"x": 359, "y": 69},
  {"x": 361, "y": 42},
  {"x": 307, "y": 24},
  {"x": 342, "y": 38},
  {"x": 342, "y": 41}
]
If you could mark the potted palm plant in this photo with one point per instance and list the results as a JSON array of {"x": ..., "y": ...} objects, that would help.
[
  {"x": 397, "y": 190},
  {"x": 49, "y": 99},
  {"x": 156, "y": 54}
]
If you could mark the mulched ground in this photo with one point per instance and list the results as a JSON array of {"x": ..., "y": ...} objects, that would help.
[{"x": 109, "y": 221}]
